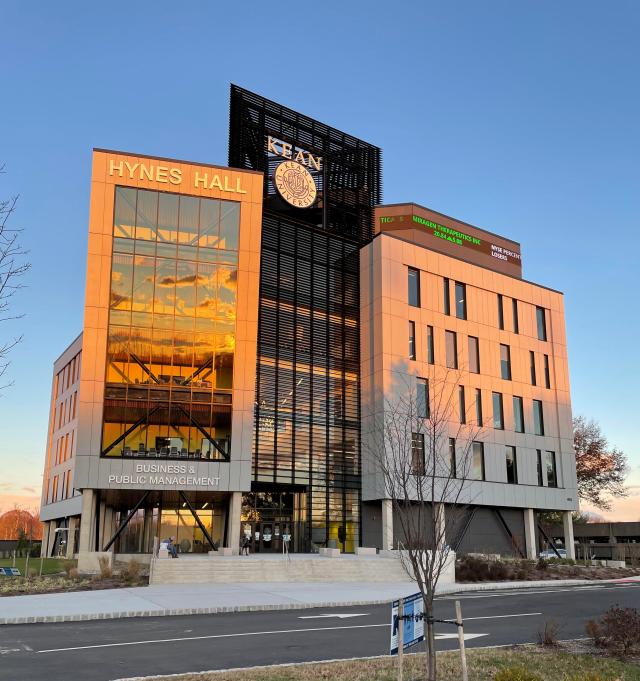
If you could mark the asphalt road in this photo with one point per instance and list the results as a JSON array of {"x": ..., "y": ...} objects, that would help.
[{"x": 113, "y": 649}]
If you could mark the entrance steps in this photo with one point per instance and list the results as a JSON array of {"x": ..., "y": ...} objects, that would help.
[{"x": 277, "y": 568}]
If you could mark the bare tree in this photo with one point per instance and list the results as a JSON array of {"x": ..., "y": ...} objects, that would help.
[
  {"x": 430, "y": 487},
  {"x": 12, "y": 268},
  {"x": 600, "y": 469}
]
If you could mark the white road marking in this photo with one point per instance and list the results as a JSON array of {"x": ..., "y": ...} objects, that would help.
[
  {"x": 497, "y": 617},
  {"x": 467, "y": 637},
  {"x": 341, "y": 616},
  {"x": 212, "y": 636}
]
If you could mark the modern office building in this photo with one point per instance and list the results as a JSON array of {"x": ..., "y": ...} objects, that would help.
[{"x": 243, "y": 326}]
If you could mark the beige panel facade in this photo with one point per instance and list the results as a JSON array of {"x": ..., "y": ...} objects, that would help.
[{"x": 387, "y": 369}]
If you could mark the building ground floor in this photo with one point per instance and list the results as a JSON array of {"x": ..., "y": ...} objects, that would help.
[{"x": 276, "y": 520}]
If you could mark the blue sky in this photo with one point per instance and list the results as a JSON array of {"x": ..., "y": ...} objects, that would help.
[{"x": 522, "y": 118}]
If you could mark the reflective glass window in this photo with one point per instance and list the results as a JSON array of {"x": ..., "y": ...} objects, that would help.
[
  {"x": 413, "y": 286},
  {"x": 512, "y": 464},
  {"x": 474, "y": 355},
  {"x": 477, "y": 461},
  {"x": 451, "y": 347},
  {"x": 538, "y": 418},
  {"x": 461, "y": 300},
  {"x": 518, "y": 414},
  {"x": 498, "y": 412},
  {"x": 505, "y": 362}
]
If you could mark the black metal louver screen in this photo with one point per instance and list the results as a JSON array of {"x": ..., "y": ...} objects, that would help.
[{"x": 307, "y": 415}]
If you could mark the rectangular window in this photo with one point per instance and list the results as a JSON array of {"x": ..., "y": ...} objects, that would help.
[
  {"x": 417, "y": 454},
  {"x": 539, "y": 466},
  {"x": 412, "y": 340},
  {"x": 518, "y": 414},
  {"x": 474, "y": 355},
  {"x": 447, "y": 297},
  {"x": 477, "y": 461},
  {"x": 505, "y": 362},
  {"x": 547, "y": 373},
  {"x": 414, "y": 287},
  {"x": 516, "y": 322},
  {"x": 498, "y": 412},
  {"x": 462, "y": 404},
  {"x": 422, "y": 398},
  {"x": 542, "y": 323},
  {"x": 461, "y": 300},
  {"x": 453, "y": 468},
  {"x": 532, "y": 364},
  {"x": 538, "y": 418},
  {"x": 430, "y": 352},
  {"x": 451, "y": 343},
  {"x": 500, "y": 312},
  {"x": 479, "y": 418},
  {"x": 512, "y": 465},
  {"x": 552, "y": 475}
]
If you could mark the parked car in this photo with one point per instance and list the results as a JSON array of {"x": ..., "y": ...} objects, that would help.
[{"x": 550, "y": 553}]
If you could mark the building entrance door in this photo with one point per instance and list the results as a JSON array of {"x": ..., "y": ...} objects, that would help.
[{"x": 267, "y": 536}]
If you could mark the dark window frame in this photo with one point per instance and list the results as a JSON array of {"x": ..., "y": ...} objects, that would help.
[
  {"x": 505, "y": 364},
  {"x": 461, "y": 303},
  {"x": 511, "y": 450},
  {"x": 451, "y": 334},
  {"x": 518, "y": 423},
  {"x": 541, "y": 323},
  {"x": 430, "y": 345},
  {"x": 412, "y": 340},
  {"x": 499, "y": 401},
  {"x": 516, "y": 321},
  {"x": 500, "y": 312},
  {"x": 447, "y": 297},
  {"x": 418, "y": 468},
  {"x": 538, "y": 417},
  {"x": 413, "y": 275},
  {"x": 474, "y": 352}
]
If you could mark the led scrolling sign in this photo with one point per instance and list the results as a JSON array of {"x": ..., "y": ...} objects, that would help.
[{"x": 455, "y": 237}]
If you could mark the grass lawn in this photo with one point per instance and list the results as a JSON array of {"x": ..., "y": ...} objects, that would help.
[
  {"x": 49, "y": 566},
  {"x": 483, "y": 665}
]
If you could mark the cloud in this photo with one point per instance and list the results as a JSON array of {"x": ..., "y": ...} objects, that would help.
[{"x": 31, "y": 490}]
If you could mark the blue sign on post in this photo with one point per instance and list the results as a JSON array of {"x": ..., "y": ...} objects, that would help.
[
  {"x": 10, "y": 572},
  {"x": 412, "y": 622}
]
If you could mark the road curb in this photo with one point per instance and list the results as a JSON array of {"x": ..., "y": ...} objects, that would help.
[{"x": 170, "y": 612}]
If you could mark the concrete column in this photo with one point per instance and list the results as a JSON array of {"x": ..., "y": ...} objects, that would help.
[
  {"x": 87, "y": 525},
  {"x": 147, "y": 541},
  {"x": 387, "y": 525},
  {"x": 46, "y": 538},
  {"x": 567, "y": 522},
  {"x": 440, "y": 527},
  {"x": 108, "y": 516},
  {"x": 235, "y": 511},
  {"x": 71, "y": 536},
  {"x": 531, "y": 551}
]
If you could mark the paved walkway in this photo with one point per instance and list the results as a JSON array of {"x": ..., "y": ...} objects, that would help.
[{"x": 193, "y": 599}]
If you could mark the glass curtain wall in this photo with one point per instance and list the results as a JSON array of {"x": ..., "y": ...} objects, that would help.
[
  {"x": 171, "y": 338},
  {"x": 307, "y": 407}
]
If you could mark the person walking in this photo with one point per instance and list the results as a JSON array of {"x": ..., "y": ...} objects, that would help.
[{"x": 246, "y": 543}]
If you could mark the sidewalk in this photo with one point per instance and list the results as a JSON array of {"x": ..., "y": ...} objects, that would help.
[{"x": 195, "y": 599}]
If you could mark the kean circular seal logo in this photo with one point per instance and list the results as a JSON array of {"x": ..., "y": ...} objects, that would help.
[{"x": 295, "y": 184}]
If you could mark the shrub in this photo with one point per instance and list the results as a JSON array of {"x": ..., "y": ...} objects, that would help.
[
  {"x": 542, "y": 564},
  {"x": 105, "y": 567},
  {"x": 73, "y": 573},
  {"x": 620, "y": 629},
  {"x": 588, "y": 676},
  {"x": 516, "y": 674},
  {"x": 68, "y": 565},
  {"x": 548, "y": 634},
  {"x": 131, "y": 571}
]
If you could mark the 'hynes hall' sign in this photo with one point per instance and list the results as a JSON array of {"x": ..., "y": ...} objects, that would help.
[
  {"x": 207, "y": 178},
  {"x": 159, "y": 474},
  {"x": 454, "y": 236},
  {"x": 291, "y": 178}
]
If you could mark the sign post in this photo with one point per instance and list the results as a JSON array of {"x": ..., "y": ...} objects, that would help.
[
  {"x": 407, "y": 626},
  {"x": 463, "y": 653}
]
